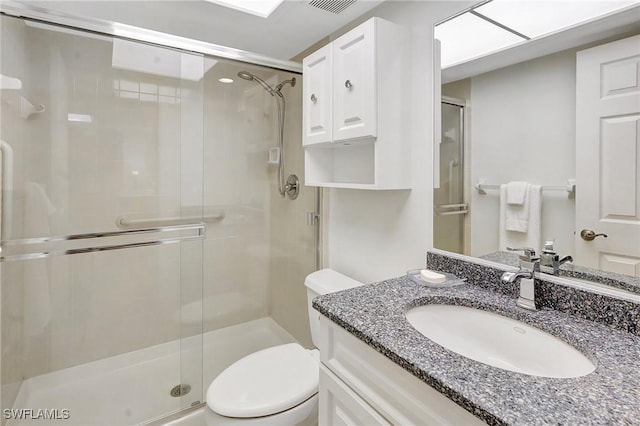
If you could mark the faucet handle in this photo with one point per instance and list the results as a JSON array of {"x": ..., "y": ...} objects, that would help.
[{"x": 529, "y": 253}]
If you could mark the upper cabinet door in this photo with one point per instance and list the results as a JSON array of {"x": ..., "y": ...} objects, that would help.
[
  {"x": 317, "y": 108},
  {"x": 354, "y": 88}
]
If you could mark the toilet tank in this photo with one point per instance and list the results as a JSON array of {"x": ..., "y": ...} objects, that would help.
[{"x": 322, "y": 282}]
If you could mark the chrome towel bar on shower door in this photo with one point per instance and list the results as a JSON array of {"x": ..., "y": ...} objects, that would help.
[
  {"x": 451, "y": 209},
  {"x": 199, "y": 227},
  {"x": 125, "y": 222}
]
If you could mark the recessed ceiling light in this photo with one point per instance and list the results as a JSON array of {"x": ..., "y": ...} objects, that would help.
[
  {"x": 225, "y": 80},
  {"x": 262, "y": 8}
]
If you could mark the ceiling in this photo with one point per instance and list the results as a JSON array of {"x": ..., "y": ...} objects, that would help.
[{"x": 290, "y": 29}]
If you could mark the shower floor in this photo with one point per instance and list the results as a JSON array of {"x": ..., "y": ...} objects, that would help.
[{"x": 133, "y": 388}]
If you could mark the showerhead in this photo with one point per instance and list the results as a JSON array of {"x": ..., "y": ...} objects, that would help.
[
  {"x": 250, "y": 77},
  {"x": 292, "y": 82},
  {"x": 245, "y": 75}
]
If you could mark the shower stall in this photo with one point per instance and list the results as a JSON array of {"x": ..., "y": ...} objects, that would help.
[{"x": 145, "y": 242}]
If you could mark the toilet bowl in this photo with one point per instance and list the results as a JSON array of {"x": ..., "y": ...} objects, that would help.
[{"x": 277, "y": 385}]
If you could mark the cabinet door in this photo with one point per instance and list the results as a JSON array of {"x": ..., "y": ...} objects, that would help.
[
  {"x": 354, "y": 88},
  {"x": 339, "y": 405},
  {"x": 317, "y": 109}
]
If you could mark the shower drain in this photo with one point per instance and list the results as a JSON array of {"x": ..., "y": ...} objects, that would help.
[{"x": 180, "y": 390}]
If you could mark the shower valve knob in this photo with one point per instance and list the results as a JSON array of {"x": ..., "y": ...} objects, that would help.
[
  {"x": 348, "y": 84},
  {"x": 313, "y": 98}
]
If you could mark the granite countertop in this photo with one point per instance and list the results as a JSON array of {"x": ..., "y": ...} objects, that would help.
[{"x": 375, "y": 314}]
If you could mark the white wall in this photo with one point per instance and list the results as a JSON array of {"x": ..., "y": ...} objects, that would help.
[
  {"x": 523, "y": 129},
  {"x": 375, "y": 235}
]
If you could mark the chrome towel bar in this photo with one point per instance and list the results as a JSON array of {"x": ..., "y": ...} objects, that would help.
[
  {"x": 451, "y": 209},
  {"x": 125, "y": 222},
  {"x": 199, "y": 227},
  {"x": 481, "y": 186}
]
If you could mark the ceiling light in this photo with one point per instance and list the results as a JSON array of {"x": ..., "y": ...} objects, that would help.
[
  {"x": 225, "y": 80},
  {"x": 468, "y": 36},
  {"x": 261, "y": 8},
  {"x": 536, "y": 18}
]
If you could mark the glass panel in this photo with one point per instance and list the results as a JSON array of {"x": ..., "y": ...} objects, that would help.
[
  {"x": 103, "y": 135},
  {"x": 260, "y": 253},
  {"x": 467, "y": 36},
  {"x": 448, "y": 222}
]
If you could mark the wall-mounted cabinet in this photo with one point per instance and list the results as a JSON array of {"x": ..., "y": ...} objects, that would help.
[
  {"x": 317, "y": 73},
  {"x": 355, "y": 110}
]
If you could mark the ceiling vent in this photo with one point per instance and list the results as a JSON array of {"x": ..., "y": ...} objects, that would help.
[{"x": 333, "y": 6}]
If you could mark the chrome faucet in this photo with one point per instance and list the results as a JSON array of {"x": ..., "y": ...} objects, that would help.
[
  {"x": 525, "y": 275},
  {"x": 512, "y": 277},
  {"x": 550, "y": 261}
]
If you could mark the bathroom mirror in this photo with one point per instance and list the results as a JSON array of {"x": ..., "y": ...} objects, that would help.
[{"x": 517, "y": 106}]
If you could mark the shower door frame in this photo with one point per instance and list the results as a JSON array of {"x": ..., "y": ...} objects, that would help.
[
  {"x": 463, "y": 209},
  {"x": 138, "y": 34},
  {"x": 165, "y": 40}
]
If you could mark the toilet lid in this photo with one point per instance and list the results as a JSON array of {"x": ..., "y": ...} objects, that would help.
[{"x": 265, "y": 382}]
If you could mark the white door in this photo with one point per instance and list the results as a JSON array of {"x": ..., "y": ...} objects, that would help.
[
  {"x": 608, "y": 156},
  {"x": 317, "y": 70},
  {"x": 354, "y": 97}
]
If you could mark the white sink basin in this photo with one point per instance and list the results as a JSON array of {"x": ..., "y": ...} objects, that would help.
[{"x": 499, "y": 341}]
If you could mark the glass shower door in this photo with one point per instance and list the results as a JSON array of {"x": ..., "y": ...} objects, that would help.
[
  {"x": 102, "y": 227},
  {"x": 450, "y": 207}
]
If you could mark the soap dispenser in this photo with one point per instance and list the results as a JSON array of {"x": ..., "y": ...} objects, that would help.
[{"x": 548, "y": 258}]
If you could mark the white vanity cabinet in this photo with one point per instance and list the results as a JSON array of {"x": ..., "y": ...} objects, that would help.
[
  {"x": 358, "y": 385},
  {"x": 355, "y": 110}
]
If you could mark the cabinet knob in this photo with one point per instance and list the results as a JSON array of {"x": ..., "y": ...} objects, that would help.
[
  {"x": 348, "y": 84},
  {"x": 313, "y": 98}
]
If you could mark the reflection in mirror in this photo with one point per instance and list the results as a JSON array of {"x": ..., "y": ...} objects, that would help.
[{"x": 540, "y": 143}]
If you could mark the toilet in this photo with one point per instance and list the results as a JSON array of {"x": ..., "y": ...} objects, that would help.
[{"x": 277, "y": 385}]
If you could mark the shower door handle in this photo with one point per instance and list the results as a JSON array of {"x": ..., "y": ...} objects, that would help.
[{"x": 199, "y": 228}]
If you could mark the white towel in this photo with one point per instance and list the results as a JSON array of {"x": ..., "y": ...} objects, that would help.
[
  {"x": 517, "y": 206},
  {"x": 526, "y": 218},
  {"x": 517, "y": 192}
]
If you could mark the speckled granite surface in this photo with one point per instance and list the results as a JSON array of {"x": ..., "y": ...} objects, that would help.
[
  {"x": 610, "y": 395},
  {"x": 621, "y": 314},
  {"x": 569, "y": 270}
]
